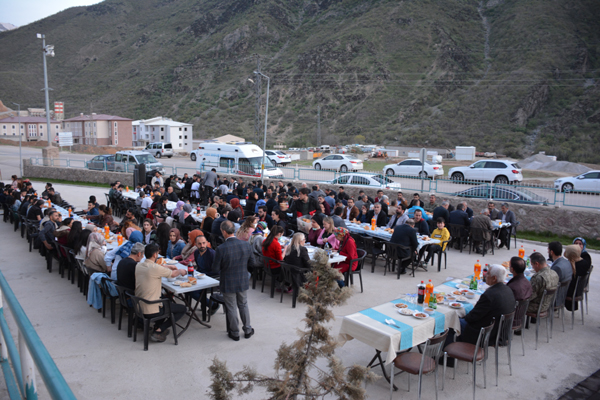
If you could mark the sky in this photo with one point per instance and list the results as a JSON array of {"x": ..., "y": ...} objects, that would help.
[{"x": 23, "y": 12}]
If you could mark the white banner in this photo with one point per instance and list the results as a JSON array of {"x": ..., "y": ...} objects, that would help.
[{"x": 65, "y": 139}]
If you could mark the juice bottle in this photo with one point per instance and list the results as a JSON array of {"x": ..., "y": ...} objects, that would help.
[
  {"x": 477, "y": 270},
  {"x": 49, "y": 203},
  {"x": 120, "y": 239},
  {"x": 127, "y": 188},
  {"x": 428, "y": 291},
  {"x": 522, "y": 252},
  {"x": 420, "y": 293},
  {"x": 70, "y": 212},
  {"x": 373, "y": 223}
]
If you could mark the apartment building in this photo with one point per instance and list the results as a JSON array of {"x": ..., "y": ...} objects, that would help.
[
  {"x": 32, "y": 128},
  {"x": 161, "y": 129},
  {"x": 100, "y": 129}
]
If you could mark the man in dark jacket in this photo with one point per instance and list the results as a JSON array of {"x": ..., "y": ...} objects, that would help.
[
  {"x": 215, "y": 229},
  {"x": 506, "y": 216},
  {"x": 498, "y": 299},
  {"x": 420, "y": 224},
  {"x": 460, "y": 218},
  {"x": 406, "y": 235},
  {"x": 304, "y": 205},
  {"x": 378, "y": 214},
  {"x": 442, "y": 212},
  {"x": 231, "y": 260}
]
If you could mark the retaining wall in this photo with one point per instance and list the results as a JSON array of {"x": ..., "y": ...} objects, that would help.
[{"x": 75, "y": 174}]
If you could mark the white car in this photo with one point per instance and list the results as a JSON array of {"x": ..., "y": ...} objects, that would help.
[
  {"x": 412, "y": 167},
  {"x": 497, "y": 171},
  {"x": 367, "y": 180},
  {"x": 278, "y": 157},
  {"x": 339, "y": 162},
  {"x": 587, "y": 182}
]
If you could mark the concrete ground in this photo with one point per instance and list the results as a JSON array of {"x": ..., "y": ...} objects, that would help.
[{"x": 100, "y": 362}]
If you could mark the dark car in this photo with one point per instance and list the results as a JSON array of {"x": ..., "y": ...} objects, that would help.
[
  {"x": 105, "y": 162},
  {"x": 503, "y": 194}
]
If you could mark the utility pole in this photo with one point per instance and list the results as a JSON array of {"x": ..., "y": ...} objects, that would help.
[
  {"x": 318, "y": 126},
  {"x": 47, "y": 51},
  {"x": 258, "y": 89}
]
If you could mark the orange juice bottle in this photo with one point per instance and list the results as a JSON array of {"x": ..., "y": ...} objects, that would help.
[
  {"x": 522, "y": 252},
  {"x": 120, "y": 239},
  {"x": 373, "y": 223},
  {"x": 127, "y": 188},
  {"x": 49, "y": 203},
  {"x": 477, "y": 270},
  {"x": 428, "y": 291},
  {"x": 70, "y": 212}
]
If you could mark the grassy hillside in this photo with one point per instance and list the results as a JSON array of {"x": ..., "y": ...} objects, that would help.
[{"x": 508, "y": 76}]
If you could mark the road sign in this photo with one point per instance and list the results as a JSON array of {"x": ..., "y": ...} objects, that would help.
[{"x": 65, "y": 139}]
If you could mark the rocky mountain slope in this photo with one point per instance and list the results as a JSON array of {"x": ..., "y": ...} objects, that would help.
[{"x": 509, "y": 76}]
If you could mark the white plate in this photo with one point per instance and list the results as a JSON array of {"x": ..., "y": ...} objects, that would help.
[
  {"x": 455, "y": 305},
  {"x": 420, "y": 312},
  {"x": 176, "y": 283},
  {"x": 461, "y": 286},
  {"x": 400, "y": 305},
  {"x": 405, "y": 311},
  {"x": 200, "y": 275},
  {"x": 462, "y": 299},
  {"x": 171, "y": 262}
]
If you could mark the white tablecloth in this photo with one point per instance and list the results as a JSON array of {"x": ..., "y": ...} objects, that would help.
[
  {"x": 381, "y": 233},
  {"x": 132, "y": 195}
]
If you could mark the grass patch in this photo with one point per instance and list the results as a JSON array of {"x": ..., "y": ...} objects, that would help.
[
  {"x": 547, "y": 237},
  {"x": 65, "y": 182}
]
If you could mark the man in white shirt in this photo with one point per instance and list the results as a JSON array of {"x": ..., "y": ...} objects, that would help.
[
  {"x": 159, "y": 179},
  {"x": 146, "y": 203}
]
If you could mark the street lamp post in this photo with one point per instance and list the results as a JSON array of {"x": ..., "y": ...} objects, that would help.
[
  {"x": 262, "y": 173},
  {"x": 47, "y": 51},
  {"x": 20, "y": 138}
]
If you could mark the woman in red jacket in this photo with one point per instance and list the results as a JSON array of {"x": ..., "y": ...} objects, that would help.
[
  {"x": 272, "y": 249},
  {"x": 347, "y": 248}
]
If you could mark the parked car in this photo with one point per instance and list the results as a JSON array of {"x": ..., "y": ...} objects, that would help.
[
  {"x": 339, "y": 162},
  {"x": 367, "y": 180},
  {"x": 126, "y": 161},
  {"x": 587, "y": 182},
  {"x": 502, "y": 193},
  {"x": 497, "y": 171},
  {"x": 278, "y": 157},
  {"x": 102, "y": 163},
  {"x": 413, "y": 167},
  {"x": 160, "y": 149}
]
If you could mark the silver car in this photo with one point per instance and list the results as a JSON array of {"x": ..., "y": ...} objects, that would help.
[{"x": 102, "y": 163}]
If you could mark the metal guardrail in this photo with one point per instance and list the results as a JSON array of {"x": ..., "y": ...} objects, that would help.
[
  {"x": 547, "y": 194},
  {"x": 31, "y": 354}
]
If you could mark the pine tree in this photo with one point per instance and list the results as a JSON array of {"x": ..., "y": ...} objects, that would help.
[{"x": 296, "y": 373}]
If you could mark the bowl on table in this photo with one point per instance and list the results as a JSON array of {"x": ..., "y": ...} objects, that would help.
[
  {"x": 469, "y": 295},
  {"x": 171, "y": 279},
  {"x": 429, "y": 310}
]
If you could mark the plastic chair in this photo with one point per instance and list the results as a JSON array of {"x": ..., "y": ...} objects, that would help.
[
  {"x": 458, "y": 233},
  {"x": 166, "y": 312},
  {"x": 70, "y": 262},
  {"x": 395, "y": 252},
  {"x": 559, "y": 304},
  {"x": 586, "y": 289},
  {"x": 441, "y": 252},
  {"x": 105, "y": 290},
  {"x": 479, "y": 233},
  {"x": 33, "y": 230},
  {"x": 126, "y": 303},
  {"x": 348, "y": 275},
  {"x": 420, "y": 364},
  {"x": 577, "y": 298},
  {"x": 471, "y": 353},
  {"x": 268, "y": 272},
  {"x": 513, "y": 233},
  {"x": 504, "y": 338},
  {"x": 519, "y": 320},
  {"x": 543, "y": 314},
  {"x": 375, "y": 248}
]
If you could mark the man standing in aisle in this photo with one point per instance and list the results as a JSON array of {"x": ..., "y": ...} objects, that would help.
[
  {"x": 231, "y": 260},
  {"x": 210, "y": 183}
]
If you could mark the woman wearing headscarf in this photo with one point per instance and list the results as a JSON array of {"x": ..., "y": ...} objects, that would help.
[
  {"x": 211, "y": 215},
  {"x": 582, "y": 244},
  {"x": 176, "y": 244},
  {"x": 327, "y": 235},
  {"x": 185, "y": 216},
  {"x": 347, "y": 249},
  {"x": 190, "y": 246},
  {"x": 580, "y": 269},
  {"x": 315, "y": 229},
  {"x": 94, "y": 256},
  {"x": 116, "y": 255},
  {"x": 235, "y": 204},
  {"x": 178, "y": 208}
]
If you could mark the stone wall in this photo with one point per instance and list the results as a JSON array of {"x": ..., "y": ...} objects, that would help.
[{"x": 75, "y": 174}]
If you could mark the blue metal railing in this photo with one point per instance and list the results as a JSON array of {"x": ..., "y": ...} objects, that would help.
[{"x": 31, "y": 353}]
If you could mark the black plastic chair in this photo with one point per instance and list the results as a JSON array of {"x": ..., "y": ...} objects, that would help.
[
  {"x": 68, "y": 263},
  {"x": 105, "y": 290},
  {"x": 348, "y": 275},
  {"x": 478, "y": 233},
  {"x": 33, "y": 230},
  {"x": 374, "y": 247},
  {"x": 166, "y": 313},
  {"x": 396, "y": 253},
  {"x": 442, "y": 252},
  {"x": 458, "y": 234},
  {"x": 268, "y": 272},
  {"x": 126, "y": 303},
  {"x": 513, "y": 233}
]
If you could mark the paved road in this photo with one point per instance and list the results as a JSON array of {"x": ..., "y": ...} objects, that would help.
[{"x": 9, "y": 165}]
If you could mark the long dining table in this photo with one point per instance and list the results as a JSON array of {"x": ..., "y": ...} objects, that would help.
[{"x": 386, "y": 330}]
